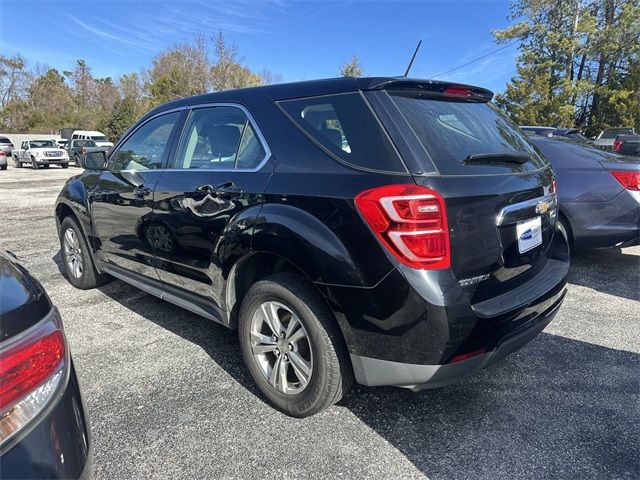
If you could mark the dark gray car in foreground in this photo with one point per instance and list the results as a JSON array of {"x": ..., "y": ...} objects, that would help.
[
  {"x": 44, "y": 432},
  {"x": 598, "y": 192}
]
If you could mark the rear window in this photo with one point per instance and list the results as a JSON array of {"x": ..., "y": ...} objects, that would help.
[
  {"x": 450, "y": 131},
  {"x": 344, "y": 126},
  {"x": 5, "y": 140}
]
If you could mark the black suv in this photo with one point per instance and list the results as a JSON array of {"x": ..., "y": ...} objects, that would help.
[{"x": 400, "y": 231}]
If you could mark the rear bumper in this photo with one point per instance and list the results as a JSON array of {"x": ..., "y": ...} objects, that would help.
[
  {"x": 408, "y": 329},
  {"x": 606, "y": 224},
  {"x": 376, "y": 372}
]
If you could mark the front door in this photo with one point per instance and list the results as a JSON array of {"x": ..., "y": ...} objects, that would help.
[
  {"x": 207, "y": 201},
  {"x": 122, "y": 200}
]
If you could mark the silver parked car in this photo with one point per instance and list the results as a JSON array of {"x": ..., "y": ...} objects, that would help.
[{"x": 6, "y": 147}]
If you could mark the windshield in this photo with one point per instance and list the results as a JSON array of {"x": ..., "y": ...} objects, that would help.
[
  {"x": 614, "y": 132},
  {"x": 99, "y": 138},
  {"x": 451, "y": 131},
  {"x": 43, "y": 144},
  {"x": 84, "y": 143}
]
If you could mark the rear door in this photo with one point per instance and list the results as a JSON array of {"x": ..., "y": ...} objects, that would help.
[
  {"x": 122, "y": 201},
  {"x": 498, "y": 190},
  {"x": 207, "y": 200}
]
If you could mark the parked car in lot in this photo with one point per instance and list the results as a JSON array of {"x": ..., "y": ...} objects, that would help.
[
  {"x": 40, "y": 153},
  {"x": 400, "y": 231},
  {"x": 538, "y": 130},
  {"x": 571, "y": 133},
  {"x": 44, "y": 432},
  {"x": 598, "y": 193},
  {"x": 627, "y": 145},
  {"x": 98, "y": 137},
  {"x": 62, "y": 142},
  {"x": 607, "y": 137},
  {"x": 77, "y": 148},
  {"x": 5, "y": 145}
]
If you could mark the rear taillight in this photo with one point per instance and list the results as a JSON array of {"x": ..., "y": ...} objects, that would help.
[
  {"x": 457, "y": 91},
  {"x": 629, "y": 180},
  {"x": 410, "y": 221},
  {"x": 2, "y": 154},
  {"x": 617, "y": 144},
  {"x": 83, "y": 150},
  {"x": 31, "y": 370}
]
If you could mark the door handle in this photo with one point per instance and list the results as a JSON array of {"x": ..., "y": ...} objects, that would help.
[
  {"x": 228, "y": 188},
  {"x": 141, "y": 191}
]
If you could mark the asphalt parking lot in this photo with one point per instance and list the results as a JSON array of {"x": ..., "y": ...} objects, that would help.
[{"x": 168, "y": 395}]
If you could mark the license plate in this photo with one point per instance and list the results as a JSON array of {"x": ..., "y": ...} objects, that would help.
[{"x": 529, "y": 234}]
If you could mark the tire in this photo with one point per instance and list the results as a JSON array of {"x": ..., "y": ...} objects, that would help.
[
  {"x": 565, "y": 229},
  {"x": 34, "y": 164},
  {"x": 76, "y": 161},
  {"x": 46, "y": 165},
  {"x": 87, "y": 277},
  {"x": 17, "y": 162},
  {"x": 331, "y": 375},
  {"x": 3, "y": 167},
  {"x": 65, "y": 165}
]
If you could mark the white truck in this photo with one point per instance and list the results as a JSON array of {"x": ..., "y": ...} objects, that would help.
[
  {"x": 40, "y": 153},
  {"x": 98, "y": 137}
]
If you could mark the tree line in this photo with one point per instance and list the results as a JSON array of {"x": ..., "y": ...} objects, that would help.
[
  {"x": 43, "y": 99},
  {"x": 579, "y": 64}
]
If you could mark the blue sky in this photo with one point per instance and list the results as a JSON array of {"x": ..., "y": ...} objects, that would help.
[{"x": 298, "y": 39}]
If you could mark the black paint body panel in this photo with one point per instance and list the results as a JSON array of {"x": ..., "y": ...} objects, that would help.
[{"x": 298, "y": 208}]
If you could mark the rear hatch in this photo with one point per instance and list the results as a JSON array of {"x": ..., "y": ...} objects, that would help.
[{"x": 498, "y": 190}]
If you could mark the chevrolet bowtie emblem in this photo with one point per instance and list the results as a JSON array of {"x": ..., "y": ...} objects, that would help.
[{"x": 542, "y": 207}]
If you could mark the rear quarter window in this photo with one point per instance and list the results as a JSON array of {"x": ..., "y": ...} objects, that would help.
[
  {"x": 450, "y": 131},
  {"x": 345, "y": 127}
]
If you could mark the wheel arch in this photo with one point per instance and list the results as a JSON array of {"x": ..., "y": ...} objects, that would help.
[{"x": 259, "y": 265}]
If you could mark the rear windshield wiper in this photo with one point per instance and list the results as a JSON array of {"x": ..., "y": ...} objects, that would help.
[{"x": 502, "y": 157}]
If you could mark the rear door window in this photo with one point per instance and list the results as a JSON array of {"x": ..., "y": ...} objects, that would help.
[
  {"x": 219, "y": 138},
  {"x": 345, "y": 127},
  {"x": 450, "y": 131}
]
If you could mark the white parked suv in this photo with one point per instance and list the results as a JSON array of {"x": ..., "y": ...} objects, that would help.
[
  {"x": 98, "y": 137},
  {"x": 40, "y": 152}
]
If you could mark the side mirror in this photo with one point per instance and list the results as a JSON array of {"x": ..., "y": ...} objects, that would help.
[{"x": 94, "y": 161}]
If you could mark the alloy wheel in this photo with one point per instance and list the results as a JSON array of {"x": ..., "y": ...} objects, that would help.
[
  {"x": 280, "y": 347},
  {"x": 73, "y": 253}
]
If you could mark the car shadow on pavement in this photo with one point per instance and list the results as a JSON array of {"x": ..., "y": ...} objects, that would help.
[
  {"x": 559, "y": 408},
  {"x": 609, "y": 271}
]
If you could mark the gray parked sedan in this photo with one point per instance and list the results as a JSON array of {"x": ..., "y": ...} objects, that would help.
[
  {"x": 6, "y": 147},
  {"x": 598, "y": 191}
]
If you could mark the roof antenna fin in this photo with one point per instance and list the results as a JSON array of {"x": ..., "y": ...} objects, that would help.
[{"x": 412, "y": 59}]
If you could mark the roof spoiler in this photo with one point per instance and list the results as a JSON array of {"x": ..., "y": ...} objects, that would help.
[{"x": 428, "y": 88}]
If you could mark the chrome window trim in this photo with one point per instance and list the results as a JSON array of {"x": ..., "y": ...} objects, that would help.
[
  {"x": 251, "y": 120},
  {"x": 133, "y": 130}
]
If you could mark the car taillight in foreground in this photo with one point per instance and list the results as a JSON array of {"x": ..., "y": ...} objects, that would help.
[
  {"x": 629, "y": 180},
  {"x": 410, "y": 221},
  {"x": 83, "y": 150},
  {"x": 2, "y": 154},
  {"x": 31, "y": 370},
  {"x": 617, "y": 144}
]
